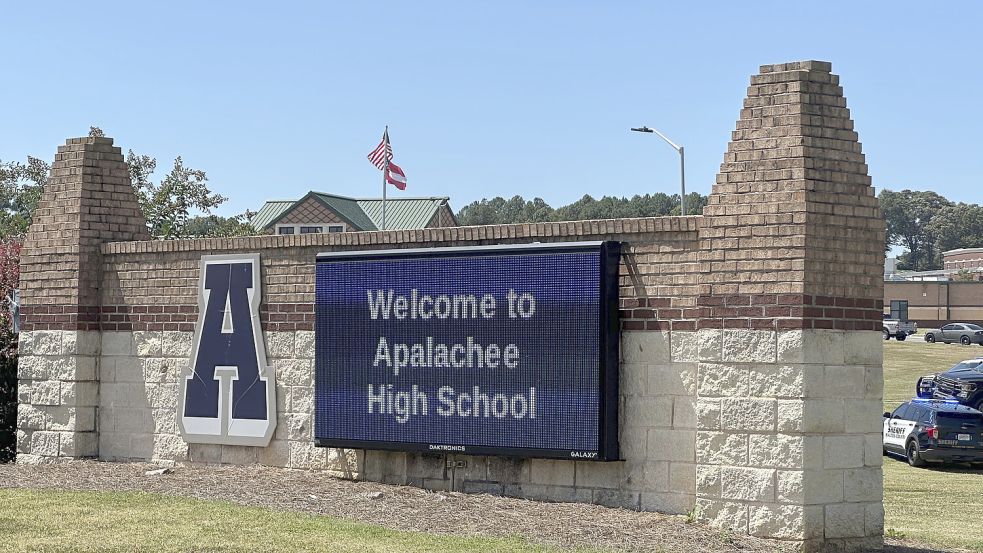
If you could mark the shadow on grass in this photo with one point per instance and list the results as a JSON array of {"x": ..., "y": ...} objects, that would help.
[
  {"x": 950, "y": 468},
  {"x": 891, "y": 548}
]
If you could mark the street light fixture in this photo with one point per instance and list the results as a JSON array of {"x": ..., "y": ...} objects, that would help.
[{"x": 682, "y": 164}]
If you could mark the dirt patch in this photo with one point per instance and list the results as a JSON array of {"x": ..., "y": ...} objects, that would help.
[{"x": 567, "y": 525}]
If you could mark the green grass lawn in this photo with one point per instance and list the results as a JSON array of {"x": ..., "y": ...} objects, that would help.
[
  {"x": 32, "y": 520},
  {"x": 942, "y": 507}
]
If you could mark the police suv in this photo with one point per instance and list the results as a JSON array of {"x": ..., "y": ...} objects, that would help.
[
  {"x": 963, "y": 383},
  {"x": 935, "y": 431}
]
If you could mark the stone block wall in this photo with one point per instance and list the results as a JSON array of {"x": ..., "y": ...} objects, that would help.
[
  {"x": 138, "y": 393},
  {"x": 788, "y": 443},
  {"x": 58, "y": 395},
  {"x": 750, "y": 364}
]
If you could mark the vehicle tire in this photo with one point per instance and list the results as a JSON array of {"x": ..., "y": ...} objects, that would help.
[
  {"x": 976, "y": 466},
  {"x": 887, "y": 335},
  {"x": 964, "y": 340},
  {"x": 930, "y": 338},
  {"x": 902, "y": 337},
  {"x": 913, "y": 455}
]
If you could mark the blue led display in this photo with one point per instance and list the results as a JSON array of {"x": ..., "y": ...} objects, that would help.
[{"x": 479, "y": 350}]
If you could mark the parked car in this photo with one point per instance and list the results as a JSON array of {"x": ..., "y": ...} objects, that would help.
[
  {"x": 898, "y": 329},
  {"x": 963, "y": 382},
  {"x": 934, "y": 431},
  {"x": 964, "y": 333}
]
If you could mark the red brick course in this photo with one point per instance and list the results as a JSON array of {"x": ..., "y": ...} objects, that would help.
[{"x": 277, "y": 316}]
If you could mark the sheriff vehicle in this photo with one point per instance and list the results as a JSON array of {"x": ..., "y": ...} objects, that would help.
[
  {"x": 934, "y": 431},
  {"x": 963, "y": 382}
]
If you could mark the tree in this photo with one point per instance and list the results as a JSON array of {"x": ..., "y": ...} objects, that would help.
[
  {"x": 963, "y": 275},
  {"x": 498, "y": 210},
  {"x": 215, "y": 225},
  {"x": 20, "y": 191},
  {"x": 908, "y": 217},
  {"x": 957, "y": 226},
  {"x": 695, "y": 202},
  {"x": 167, "y": 205}
]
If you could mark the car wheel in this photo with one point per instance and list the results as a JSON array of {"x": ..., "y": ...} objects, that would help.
[
  {"x": 964, "y": 340},
  {"x": 913, "y": 455},
  {"x": 887, "y": 335},
  {"x": 976, "y": 466},
  {"x": 902, "y": 337},
  {"x": 930, "y": 338}
]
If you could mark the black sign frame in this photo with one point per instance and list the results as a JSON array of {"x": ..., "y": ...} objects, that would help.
[{"x": 608, "y": 344}]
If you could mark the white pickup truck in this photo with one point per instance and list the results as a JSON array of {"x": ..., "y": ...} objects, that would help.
[{"x": 899, "y": 330}]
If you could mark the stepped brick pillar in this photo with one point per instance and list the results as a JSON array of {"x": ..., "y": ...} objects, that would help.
[
  {"x": 789, "y": 375},
  {"x": 87, "y": 200}
]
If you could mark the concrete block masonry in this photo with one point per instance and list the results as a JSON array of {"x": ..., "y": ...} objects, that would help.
[{"x": 750, "y": 354}]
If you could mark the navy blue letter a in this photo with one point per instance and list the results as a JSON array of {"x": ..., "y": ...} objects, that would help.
[{"x": 228, "y": 395}]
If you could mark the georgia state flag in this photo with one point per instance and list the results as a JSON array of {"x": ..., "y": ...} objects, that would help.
[{"x": 396, "y": 177}]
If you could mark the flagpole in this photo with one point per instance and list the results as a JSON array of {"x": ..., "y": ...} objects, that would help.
[{"x": 385, "y": 169}]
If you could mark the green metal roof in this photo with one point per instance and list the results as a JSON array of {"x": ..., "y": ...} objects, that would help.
[
  {"x": 271, "y": 211},
  {"x": 362, "y": 213},
  {"x": 402, "y": 213},
  {"x": 348, "y": 208}
]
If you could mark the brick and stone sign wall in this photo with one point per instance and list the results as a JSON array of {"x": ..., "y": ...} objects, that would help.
[{"x": 750, "y": 355}]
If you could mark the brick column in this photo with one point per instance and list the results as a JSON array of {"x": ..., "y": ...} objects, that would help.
[
  {"x": 88, "y": 200},
  {"x": 789, "y": 374}
]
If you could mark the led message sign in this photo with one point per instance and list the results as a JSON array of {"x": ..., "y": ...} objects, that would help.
[{"x": 501, "y": 350}]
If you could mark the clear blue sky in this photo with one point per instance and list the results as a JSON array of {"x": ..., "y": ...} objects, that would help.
[{"x": 274, "y": 99}]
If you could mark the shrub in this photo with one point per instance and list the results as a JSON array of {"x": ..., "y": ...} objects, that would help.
[
  {"x": 9, "y": 272},
  {"x": 8, "y": 408}
]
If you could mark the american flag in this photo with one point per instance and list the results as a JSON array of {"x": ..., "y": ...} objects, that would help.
[{"x": 382, "y": 153}]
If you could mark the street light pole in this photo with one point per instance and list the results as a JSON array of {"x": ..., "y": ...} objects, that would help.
[
  {"x": 682, "y": 180},
  {"x": 682, "y": 164}
]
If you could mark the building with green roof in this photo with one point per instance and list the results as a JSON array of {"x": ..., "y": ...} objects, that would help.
[{"x": 321, "y": 212}]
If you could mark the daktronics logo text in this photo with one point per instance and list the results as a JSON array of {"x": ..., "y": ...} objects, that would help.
[{"x": 441, "y": 447}]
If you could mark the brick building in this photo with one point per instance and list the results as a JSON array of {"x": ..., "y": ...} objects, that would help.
[
  {"x": 932, "y": 303},
  {"x": 963, "y": 259},
  {"x": 319, "y": 212},
  {"x": 953, "y": 293}
]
